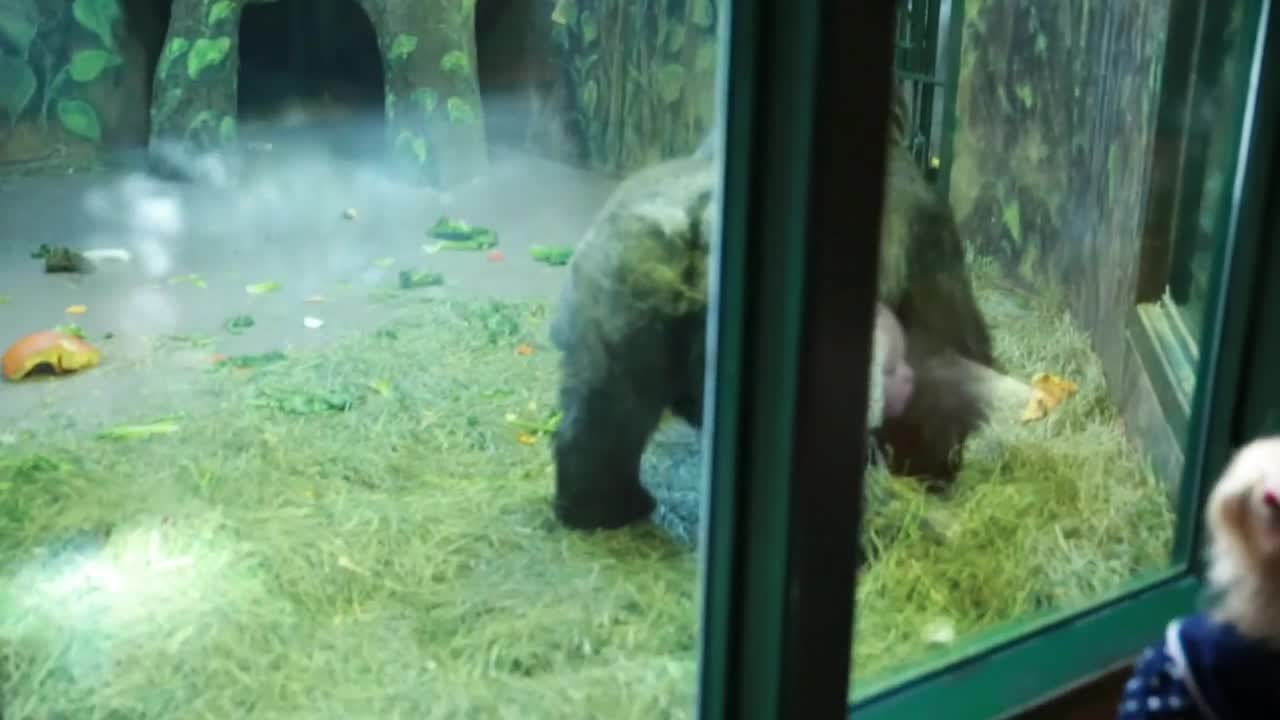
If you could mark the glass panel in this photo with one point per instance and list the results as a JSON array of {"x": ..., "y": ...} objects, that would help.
[
  {"x": 350, "y": 354},
  {"x": 1198, "y": 145},
  {"x": 1028, "y": 463}
]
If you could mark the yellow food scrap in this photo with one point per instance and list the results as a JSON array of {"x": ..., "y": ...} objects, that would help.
[
  {"x": 77, "y": 310},
  {"x": 525, "y": 438},
  {"x": 262, "y": 288},
  {"x": 382, "y": 387},
  {"x": 191, "y": 279},
  {"x": 524, "y": 349},
  {"x": 1048, "y": 392}
]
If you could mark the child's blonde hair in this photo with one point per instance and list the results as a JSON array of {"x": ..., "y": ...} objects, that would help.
[{"x": 1244, "y": 568}]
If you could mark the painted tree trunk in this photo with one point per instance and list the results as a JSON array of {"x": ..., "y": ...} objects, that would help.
[
  {"x": 435, "y": 121},
  {"x": 194, "y": 93}
]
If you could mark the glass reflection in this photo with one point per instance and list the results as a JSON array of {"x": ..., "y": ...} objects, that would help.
[
  {"x": 1030, "y": 472},
  {"x": 304, "y": 272}
]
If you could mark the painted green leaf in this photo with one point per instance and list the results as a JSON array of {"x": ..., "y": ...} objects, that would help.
[
  {"x": 589, "y": 28},
  {"x": 427, "y": 98},
  {"x": 460, "y": 111},
  {"x": 227, "y": 129},
  {"x": 588, "y": 96},
  {"x": 703, "y": 14},
  {"x": 204, "y": 117},
  {"x": 79, "y": 118},
  {"x": 206, "y": 52},
  {"x": 708, "y": 55},
  {"x": 87, "y": 65},
  {"x": 17, "y": 87},
  {"x": 675, "y": 38},
  {"x": 565, "y": 12},
  {"x": 455, "y": 61},
  {"x": 220, "y": 11},
  {"x": 97, "y": 16},
  {"x": 417, "y": 145},
  {"x": 175, "y": 48},
  {"x": 18, "y": 22},
  {"x": 402, "y": 45},
  {"x": 670, "y": 82}
]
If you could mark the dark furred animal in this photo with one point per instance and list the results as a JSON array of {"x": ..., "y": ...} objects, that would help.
[{"x": 631, "y": 328}]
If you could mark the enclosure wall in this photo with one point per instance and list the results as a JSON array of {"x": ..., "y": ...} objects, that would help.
[{"x": 1056, "y": 114}]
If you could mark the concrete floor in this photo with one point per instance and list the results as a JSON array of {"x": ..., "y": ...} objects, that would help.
[{"x": 283, "y": 221}]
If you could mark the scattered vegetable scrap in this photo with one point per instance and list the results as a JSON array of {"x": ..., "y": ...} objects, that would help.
[
  {"x": 61, "y": 352},
  {"x": 1048, "y": 392},
  {"x": 411, "y": 279},
  {"x": 70, "y": 329},
  {"x": 349, "y": 213},
  {"x": 119, "y": 255},
  {"x": 300, "y": 402},
  {"x": 382, "y": 387},
  {"x": 238, "y": 324},
  {"x": 59, "y": 259},
  {"x": 77, "y": 310},
  {"x": 525, "y": 438},
  {"x": 384, "y": 262},
  {"x": 551, "y": 254},
  {"x": 534, "y": 429},
  {"x": 524, "y": 349},
  {"x": 191, "y": 279},
  {"x": 262, "y": 288},
  {"x": 248, "y": 362},
  {"x": 139, "y": 432},
  {"x": 454, "y": 234}
]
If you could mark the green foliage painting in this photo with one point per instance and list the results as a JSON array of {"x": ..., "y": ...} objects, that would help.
[
  {"x": 206, "y": 52},
  {"x": 402, "y": 46},
  {"x": 87, "y": 65},
  {"x": 98, "y": 16},
  {"x": 642, "y": 76},
  {"x": 17, "y": 87},
  {"x": 49, "y": 53},
  {"x": 80, "y": 118}
]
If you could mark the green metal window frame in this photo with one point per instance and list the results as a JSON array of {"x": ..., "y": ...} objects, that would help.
[
  {"x": 800, "y": 184},
  {"x": 785, "y": 345}
]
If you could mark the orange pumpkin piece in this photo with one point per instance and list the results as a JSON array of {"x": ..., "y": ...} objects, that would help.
[{"x": 61, "y": 351}]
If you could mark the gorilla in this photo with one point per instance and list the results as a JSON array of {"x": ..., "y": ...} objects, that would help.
[{"x": 631, "y": 330}]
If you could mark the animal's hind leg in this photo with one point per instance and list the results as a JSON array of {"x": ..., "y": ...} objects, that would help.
[
  {"x": 927, "y": 439},
  {"x": 607, "y": 420}
]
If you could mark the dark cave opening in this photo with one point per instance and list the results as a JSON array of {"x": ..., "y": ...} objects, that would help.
[{"x": 308, "y": 62}]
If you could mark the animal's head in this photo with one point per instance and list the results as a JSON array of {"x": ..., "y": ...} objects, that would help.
[{"x": 1244, "y": 508}]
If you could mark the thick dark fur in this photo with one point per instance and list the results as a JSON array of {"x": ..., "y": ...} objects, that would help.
[
  {"x": 631, "y": 327},
  {"x": 925, "y": 281}
]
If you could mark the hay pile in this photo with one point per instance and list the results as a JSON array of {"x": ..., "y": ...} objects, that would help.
[{"x": 364, "y": 532}]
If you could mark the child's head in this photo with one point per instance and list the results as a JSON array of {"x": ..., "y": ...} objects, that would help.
[
  {"x": 892, "y": 380},
  {"x": 1243, "y": 516},
  {"x": 899, "y": 378}
]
